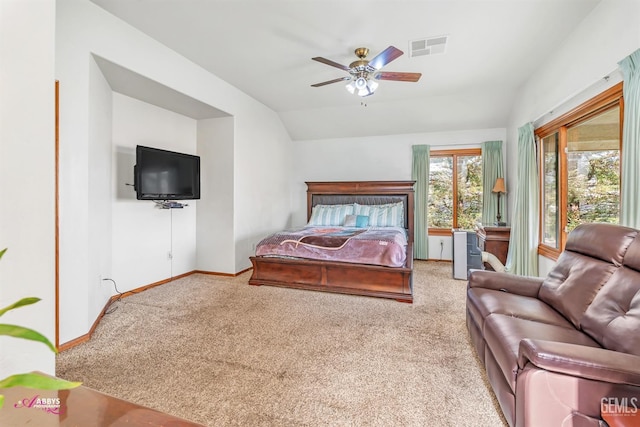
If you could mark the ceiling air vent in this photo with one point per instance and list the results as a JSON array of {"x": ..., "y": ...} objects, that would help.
[{"x": 428, "y": 46}]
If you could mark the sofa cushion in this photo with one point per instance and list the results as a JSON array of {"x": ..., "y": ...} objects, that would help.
[
  {"x": 503, "y": 334},
  {"x": 613, "y": 318},
  {"x": 483, "y": 302},
  {"x": 606, "y": 242},
  {"x": 573, "y": 283},
  {"x": 592, "y": 253}
]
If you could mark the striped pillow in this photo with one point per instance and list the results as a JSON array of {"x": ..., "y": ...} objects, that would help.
[
  {"x": 330, "y": 214},
  {"x": 389, "y": 215}
]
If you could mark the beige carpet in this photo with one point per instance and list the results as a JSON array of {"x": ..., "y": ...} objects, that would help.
[{"x": 217, "y": 351}]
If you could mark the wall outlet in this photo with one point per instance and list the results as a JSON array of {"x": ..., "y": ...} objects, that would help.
[{"x": 169, "y": 255}]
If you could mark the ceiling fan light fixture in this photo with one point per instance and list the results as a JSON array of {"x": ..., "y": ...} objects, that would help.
[
  {"x": 351, "y": 87},
  {"x": 362, "y": 86},
  {"x": 363, "y": 74}
]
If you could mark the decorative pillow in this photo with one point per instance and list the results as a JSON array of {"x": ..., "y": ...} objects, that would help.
[
  {"x": 362, "y": 221},
  {"x": 359, "y": 221},
  {"x": 389, "y": 215},
  {"x": 350, "y": 220},
  {"x": 330, "y": 214}
]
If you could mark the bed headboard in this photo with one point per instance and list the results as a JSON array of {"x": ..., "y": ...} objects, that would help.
[{"x": 364, "y": 193}]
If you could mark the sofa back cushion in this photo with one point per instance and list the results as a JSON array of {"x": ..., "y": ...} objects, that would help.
[
  {"x": 592, "y": 254},
  {"x": 613, "y": 318}
]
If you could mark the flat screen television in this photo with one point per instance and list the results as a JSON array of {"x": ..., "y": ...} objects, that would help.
[{"x": 166, "y": 175}]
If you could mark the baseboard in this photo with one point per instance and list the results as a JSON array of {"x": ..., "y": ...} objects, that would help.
[
  {"x": 215, "y": 273},
  {"x": 146, "y": 287},
  {"x": 434, "y": 260},
  {"x": 86, "y": 337}
]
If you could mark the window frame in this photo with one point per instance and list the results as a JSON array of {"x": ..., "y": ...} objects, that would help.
[
  {"x": 454, "y": 153},
  {"x": 602, "y": 102}
]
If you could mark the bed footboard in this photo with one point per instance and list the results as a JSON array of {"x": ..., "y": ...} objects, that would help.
[{"x": 355, "y": 279}]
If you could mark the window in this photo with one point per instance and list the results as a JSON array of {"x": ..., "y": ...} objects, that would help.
[
  {"x": 550, "y": 217},
  {"x": 580, "y": 169},
  {"x": 455, "y": 190}
]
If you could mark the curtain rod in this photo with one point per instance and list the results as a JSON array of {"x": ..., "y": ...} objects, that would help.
[{"x": 611, "y": 78}]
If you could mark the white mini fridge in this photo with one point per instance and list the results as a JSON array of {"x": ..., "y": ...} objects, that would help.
[{"x": 466, "y": 253}]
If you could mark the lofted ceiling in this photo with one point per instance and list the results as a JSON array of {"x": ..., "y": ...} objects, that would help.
[{"x": 264, "y": 48}]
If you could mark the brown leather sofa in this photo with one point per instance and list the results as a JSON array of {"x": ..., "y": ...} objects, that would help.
[{"x": 561, "y": 350}]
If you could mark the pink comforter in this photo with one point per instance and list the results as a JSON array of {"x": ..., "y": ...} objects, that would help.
[{"x": 384, "y": 246}]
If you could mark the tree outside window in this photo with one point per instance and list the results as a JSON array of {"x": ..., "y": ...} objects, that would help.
[
  {"x": 455, "y": 189},
  {"x": 593, "y": 170}
]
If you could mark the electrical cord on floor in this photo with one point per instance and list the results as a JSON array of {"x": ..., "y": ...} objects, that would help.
[{"x": 110, "y": 310}]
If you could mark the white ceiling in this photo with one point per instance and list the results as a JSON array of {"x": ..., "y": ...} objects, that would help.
[{"x": 264, "y": 48}]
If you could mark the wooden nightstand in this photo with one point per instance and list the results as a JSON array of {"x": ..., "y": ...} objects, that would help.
[{"x": 494, "y": 239}]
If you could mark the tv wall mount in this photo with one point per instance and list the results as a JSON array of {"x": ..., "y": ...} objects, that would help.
[{"x": 169, "y": 204}]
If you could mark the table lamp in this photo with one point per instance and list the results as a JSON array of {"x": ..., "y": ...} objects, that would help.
[{"x": 499, "y": 188}]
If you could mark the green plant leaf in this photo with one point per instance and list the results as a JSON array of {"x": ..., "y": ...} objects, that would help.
[
  {"x": 37, "y": 381},
  {"x": 25, "y": 333},
  {"x": 21, "y": 303},
  {"x": 2, "y": 252}
]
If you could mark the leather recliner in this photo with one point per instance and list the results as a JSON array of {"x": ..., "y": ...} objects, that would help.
[{"x": 560, "y": 350}]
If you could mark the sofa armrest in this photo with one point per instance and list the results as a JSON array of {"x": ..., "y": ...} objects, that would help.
[
  {"x": 506, "y": 282},
  {"x": 581, "y": 361}
]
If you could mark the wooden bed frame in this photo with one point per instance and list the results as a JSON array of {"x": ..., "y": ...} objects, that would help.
[{"x": 341, "y": 277}]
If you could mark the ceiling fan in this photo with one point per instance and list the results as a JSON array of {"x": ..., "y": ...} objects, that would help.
[{"x": 363, "y": 73}]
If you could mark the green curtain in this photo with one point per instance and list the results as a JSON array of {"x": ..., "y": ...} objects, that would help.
[
  {"x": 522, "y": 258},
  {"x": 630, "y": 179},
  {"x": 492, "y": 168},
  {"x": 420, "y": 174}
]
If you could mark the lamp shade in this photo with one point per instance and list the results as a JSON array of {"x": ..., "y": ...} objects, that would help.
[
  {"x": 499, "y": 186},
  {"x": 362, "y": 86}
]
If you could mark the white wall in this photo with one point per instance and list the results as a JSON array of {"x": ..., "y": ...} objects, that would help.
[
  {"x": 98, "y": 184},
  {"x": 144, "y": 235},
  {"x": 609, "y": 34},
  {"x": 262, "y": 180},
  {"x": 215, "y": 221},
  {"x": 377, "y": 159},
  {"x": 27, "y": 178},
  {"x": 260, "y": 160}
]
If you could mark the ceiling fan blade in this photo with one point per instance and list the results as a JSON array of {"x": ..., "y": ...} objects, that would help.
[
  {"x": 341, "y": 79},
  {"x": 397, "y": 76},
  {"x": 384, "y": 57},
  {"x": 330, "y": 62}
]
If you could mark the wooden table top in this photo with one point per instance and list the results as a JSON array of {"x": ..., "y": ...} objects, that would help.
[{"x": 81, "y": 406}]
